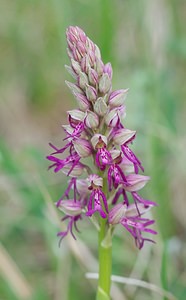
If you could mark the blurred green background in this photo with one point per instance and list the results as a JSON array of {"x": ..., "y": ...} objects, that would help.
[{"x": 145, "y": 41}]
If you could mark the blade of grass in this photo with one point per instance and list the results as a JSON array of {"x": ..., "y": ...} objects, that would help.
[
  {"x": 13, "y": 275},
  {"x": 163, "y": 273},
  {"x": 136, "y": 282}
]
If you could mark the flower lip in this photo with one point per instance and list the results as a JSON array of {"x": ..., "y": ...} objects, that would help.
[{"x": 97, "y": 203}]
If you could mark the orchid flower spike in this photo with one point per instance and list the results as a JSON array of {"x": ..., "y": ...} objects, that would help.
[{"x": 95, "y": 132}]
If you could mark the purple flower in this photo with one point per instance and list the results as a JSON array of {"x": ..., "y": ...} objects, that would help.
[
  {"x": 97, "y": 200},
  {"x": 129, "y": 216},
  {"x": 103, "y": 156},
  {"x": 72, "y": 160},
  {"x": 116, "y": 177}
]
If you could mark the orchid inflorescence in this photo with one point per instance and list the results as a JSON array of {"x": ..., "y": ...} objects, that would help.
[{"x": 95, "y": 130}]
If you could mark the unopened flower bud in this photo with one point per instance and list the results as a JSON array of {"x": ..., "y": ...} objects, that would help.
[
  {"x": 117, "y": 213},
  {"x": 92, "y": 58},
  {"x": 70, "y": 207},
  {"x": 123, "y": 135},
  {"x": 73, "y": 87},
  {"x": 90, "y": 45},
  {"x": 136, "y": 182},
  {"x": 99, "y": 66},
  {"x": 81, "y": 48},
  {"x": 71, "y": 34},
  {"x": 100, "y": 107},
  {"x": 76, "y": 55},
  {"x": 117, "y": 98},
  {"x": 82, "y": 147},
  {"x": 71, "y": 71},
  {"x": 83, "y": 102},
  {"x": 91, "y": 120},
  {"x": 113, "y": 118},
  {"x": 99, "y": 141},
  {"x": 85, "y": 65},
  {"x": 70, "y": 45},
  {"x": 108, "y": 69},
  {"x": 69, "y": 53},
  {"x": 93, "y": 76},
  {"x": 91, "y": 93},
  {"x": 82, "y": 35},
  {"x": 104, "y": 83},
  {"x": 82, "y": 80},
  {"x": 97, "y": 52},
  {"x": 76, "y": 66}
]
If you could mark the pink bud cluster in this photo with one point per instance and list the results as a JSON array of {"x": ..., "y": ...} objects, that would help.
[{"x": 95, "y": 130}]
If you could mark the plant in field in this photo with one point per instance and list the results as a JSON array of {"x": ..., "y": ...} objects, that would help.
[{"x": 95, "y": 131}]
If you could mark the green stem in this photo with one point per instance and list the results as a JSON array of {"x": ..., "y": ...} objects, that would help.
[{"x": 105, "y": 262}]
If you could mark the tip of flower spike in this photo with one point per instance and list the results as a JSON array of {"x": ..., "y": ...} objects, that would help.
[
  {"x": 75, "y": 35},
  {"x": 74, "y": 30}
]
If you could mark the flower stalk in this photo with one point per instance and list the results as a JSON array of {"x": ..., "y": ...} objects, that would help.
[
  {"x": 105, "y": 257},
  {"x": 95, "y": 131},
  {"x": 105, "y": 263}
]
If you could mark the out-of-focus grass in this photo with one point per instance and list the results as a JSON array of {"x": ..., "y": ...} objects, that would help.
[{"x": 145, "y": 40}]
